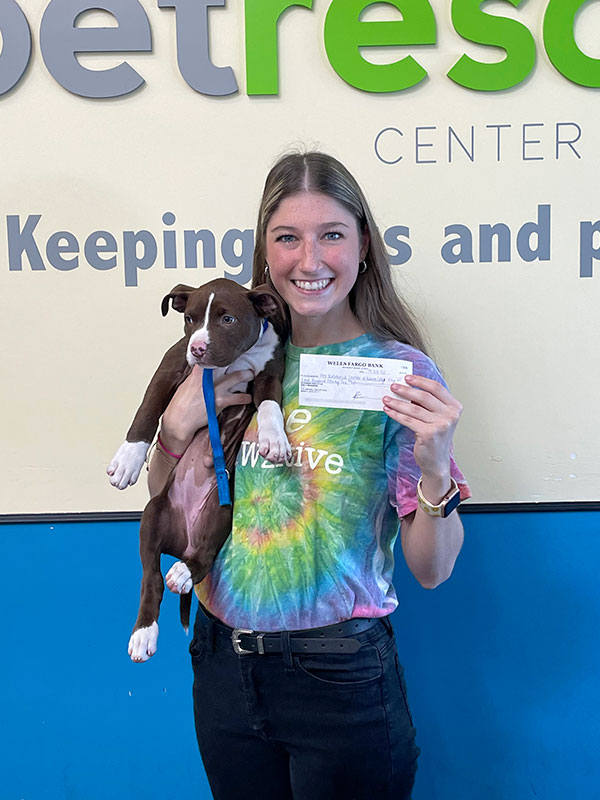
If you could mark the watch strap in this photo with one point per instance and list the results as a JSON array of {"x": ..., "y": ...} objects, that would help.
[{"x": 446, "y": 505}]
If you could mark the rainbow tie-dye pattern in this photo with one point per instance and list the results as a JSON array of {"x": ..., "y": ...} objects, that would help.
[{"x": 312, "y": 540}]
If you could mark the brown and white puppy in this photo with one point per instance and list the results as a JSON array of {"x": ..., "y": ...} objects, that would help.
[
  {"x": 207, "y": 342},
  {"x": 223, "y": 330}
]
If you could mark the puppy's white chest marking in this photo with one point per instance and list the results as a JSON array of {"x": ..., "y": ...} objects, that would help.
[{"x": 273, "y": 443}]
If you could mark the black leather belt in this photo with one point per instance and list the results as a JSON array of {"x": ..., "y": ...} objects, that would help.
[{"x": 329, "y": 639}]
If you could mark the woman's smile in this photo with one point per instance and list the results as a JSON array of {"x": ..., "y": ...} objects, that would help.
[{"x": 313, "y": 286}]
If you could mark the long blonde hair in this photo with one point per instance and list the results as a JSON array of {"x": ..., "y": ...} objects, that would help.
[{"x": 373, "y": 298}]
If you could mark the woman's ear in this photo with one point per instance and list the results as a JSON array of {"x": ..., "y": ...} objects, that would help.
[{"x": 366, "y": 241}]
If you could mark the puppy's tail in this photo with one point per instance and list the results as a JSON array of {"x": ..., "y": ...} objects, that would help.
[{"x": 185, "y": 604}]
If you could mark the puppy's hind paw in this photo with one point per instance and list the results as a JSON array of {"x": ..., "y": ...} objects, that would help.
[
  {"x": 142, "y": 644},
  {"x": 179, "y": 578}
]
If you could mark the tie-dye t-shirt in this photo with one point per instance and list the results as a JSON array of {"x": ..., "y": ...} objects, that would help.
[{"x": 312, "y": 540}]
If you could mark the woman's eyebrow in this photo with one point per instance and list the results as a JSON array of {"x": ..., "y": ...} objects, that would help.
[{"x": 322, "y": 225}]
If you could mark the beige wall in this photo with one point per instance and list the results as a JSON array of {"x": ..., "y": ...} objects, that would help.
[{"x": 517, "y": 341}]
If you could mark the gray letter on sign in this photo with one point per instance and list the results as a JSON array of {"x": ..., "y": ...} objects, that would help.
[
  {"x": 21, "y": 241},
  {"x": 193, "y": 48},
  {"x": 61, "y": 40},
  {"x": 16, "y": 45}
]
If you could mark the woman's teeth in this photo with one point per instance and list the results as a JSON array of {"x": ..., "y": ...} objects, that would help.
[{"x": 313, "y": 286}]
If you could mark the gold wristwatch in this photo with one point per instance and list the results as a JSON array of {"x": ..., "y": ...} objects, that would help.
[{"x": 446, "y": 505}]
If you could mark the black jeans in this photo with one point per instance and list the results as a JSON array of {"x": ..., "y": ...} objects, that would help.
[{"x": 307, "y": 727}]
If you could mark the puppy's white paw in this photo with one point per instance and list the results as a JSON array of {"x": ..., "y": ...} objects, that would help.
[
  {"x": 272, "y": 442},
  {"x": 179, "y": 578},
  {"x": 142, "y": 644},
  {"x": 125, "y": 468}
]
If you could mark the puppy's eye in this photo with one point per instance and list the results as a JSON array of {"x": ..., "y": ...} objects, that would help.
[
  {"x": 228, "y": 320},
  {"x": 187, "y": 319}
]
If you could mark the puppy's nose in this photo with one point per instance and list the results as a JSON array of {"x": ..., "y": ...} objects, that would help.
[{"x": 198, "y": 349}]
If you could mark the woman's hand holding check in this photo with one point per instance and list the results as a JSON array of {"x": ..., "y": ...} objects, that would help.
[{"x": 432, "y": 415}]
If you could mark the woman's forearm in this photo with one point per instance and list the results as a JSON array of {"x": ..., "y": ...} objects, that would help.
[
  {"x": 186, "y": 414},
  {"x": 431, "y": 544}
]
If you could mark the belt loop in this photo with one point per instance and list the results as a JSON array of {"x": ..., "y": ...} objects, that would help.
[
  {"x": 287, "y": 651},
  {"x": 386, "y": 621},
  {"x": 210, "y": 636}
]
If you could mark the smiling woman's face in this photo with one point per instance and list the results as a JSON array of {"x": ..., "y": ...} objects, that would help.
[{"x": 313, "y": 250}]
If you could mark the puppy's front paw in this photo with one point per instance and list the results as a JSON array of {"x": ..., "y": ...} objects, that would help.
[
  {"x": 272, "y": 442},
  {"x": 275, "y": 449},
  {"x": 142, "y": 644},
  {"x": 124, "y": 469},
  {"x": 179, "y": 578}
]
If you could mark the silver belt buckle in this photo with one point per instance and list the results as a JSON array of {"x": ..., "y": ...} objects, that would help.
[{"x": 235, "y": 640}]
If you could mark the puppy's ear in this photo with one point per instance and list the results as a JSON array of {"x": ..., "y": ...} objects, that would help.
[
  {"x": 269, "y": 304},
  {"x": 179, "y": 295},
  {"x": 266, "y": 301}
]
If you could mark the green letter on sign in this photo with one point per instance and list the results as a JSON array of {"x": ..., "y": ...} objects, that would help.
[
  {"x": 262, "y": 74},
  {"x": 473, "y": 24},
  {"x": 345, "y": 33},
  {"x": 559, "y": 39}
]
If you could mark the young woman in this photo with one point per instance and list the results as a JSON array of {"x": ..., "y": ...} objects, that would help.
[{"x": 312, "y": 706}]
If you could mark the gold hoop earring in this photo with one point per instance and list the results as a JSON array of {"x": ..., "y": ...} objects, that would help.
[{"x": 362, "y": 267}]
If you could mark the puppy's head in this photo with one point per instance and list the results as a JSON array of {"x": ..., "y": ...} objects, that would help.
[{"x": 222, "y": 320}]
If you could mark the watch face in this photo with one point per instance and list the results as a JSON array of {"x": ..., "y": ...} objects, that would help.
[{"x": 452, "y": 503}]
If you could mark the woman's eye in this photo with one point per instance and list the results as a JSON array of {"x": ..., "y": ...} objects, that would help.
[
  {"x": 228, "y": 320},
  {"x": 285, "y": 237},
  {"x": 187, "y": 319},
  {"x": 333, "y": 235}
]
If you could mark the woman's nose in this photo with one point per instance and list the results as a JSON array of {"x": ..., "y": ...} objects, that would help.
[{"x": 309, "y": 258}]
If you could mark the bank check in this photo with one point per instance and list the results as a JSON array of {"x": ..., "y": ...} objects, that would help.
[{"x": 347, "y": 382}]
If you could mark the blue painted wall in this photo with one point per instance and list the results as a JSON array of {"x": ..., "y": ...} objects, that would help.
[{"x": 502, "y": 665}]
